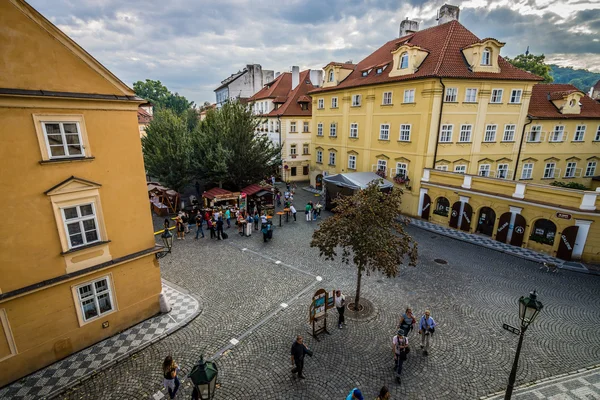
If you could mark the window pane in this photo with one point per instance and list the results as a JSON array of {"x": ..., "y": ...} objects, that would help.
[
  {"x": 70, "y": 212},
  {"x": 85, "y": 291},
  {"x": 52, "y": 128},
  {"x": 101, "y": 286},
  {"x": 104, "y": 303},
  {"x": 91, "y": 236},
  {"x": 57, "y": 151},
  {"x": 70, "y": 128},
  {"x": 74, "y": 228},
  {"x": 72, "y": 139},
  {"x": 89, "y": 309},
  {"x": 86, "y": 210},
  {"x": 74, "y": 150},
  {"x": 76, "y": 240},
  {"x": 55, "y": 140}
]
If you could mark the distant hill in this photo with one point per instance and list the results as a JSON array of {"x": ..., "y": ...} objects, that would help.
[{"x": 580, "y": 78}]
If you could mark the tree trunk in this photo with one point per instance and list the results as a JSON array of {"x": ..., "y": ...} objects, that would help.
[{"x": 357, "y": 297}]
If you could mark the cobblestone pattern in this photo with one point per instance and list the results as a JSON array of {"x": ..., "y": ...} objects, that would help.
[{"x": 470, "y": 298}]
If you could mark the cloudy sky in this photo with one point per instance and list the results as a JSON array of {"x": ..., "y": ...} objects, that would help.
[{"x": 191, "y": 45}]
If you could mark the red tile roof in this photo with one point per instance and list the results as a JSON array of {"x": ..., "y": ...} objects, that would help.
[
  {"x": 343, "y": 65},
  {"x": 254, "y": 188},
  {"x": 445, "y": 59},
  {"x": 279, "y": 86},
  {"x": 143, "y": 116},
  {"x": 214, "y": 192},
  {"x": 292, "y": 107},
  {"x": 540, "y": 106},
  {"x": 280, "y": 99}
]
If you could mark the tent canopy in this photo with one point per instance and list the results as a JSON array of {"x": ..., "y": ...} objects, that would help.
[
  {"x": 357, "y": 180},
  {"x": 216, "y": 192},
  {"x": 254, "y": 188}
]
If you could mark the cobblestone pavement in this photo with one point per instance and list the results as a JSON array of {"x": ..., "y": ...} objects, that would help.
[
  {"x": 580, "y": 385},
  {"x": 83, "y": 364},
  {"x": 242, "y": 291}
]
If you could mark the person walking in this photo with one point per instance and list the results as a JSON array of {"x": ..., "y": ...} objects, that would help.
[
  {"x": 240, "y": 223},
  {"x": 426, "y": 329},
  {"x": 293, "y": 211},
  {"x": 355, "y": 394},
  {"x": 278, "y": 198},
  {"x": 228, "y": 218},
  {"x": 185, "y": 219},
  {"x": 180, "y": 228},
  {"x": 199, "y": 221},
  {"x": 384, "y": 394},
  {"x": 407, "y": 321},
  {"x": 340, "y": 305},
  {"x": 211, "y": 226},
  {"x": 400, "y": 350},
  {"x": 220, "y": 228},
  {"x": 170, "y": 380},
  {"x": 307, "y": 211},
  {"x": 318, "y": 208},
  {"x": 256, "y": 219},
  {"x": 299, "y": 349}
]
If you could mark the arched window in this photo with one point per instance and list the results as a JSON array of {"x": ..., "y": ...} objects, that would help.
[
  {"x": 404, "y": 60},
  {"x": 543, "y": 232},
  {"x": 486, "y": 56},
  {"x": 442, "y": 207},
  {"x": 331, "y": 75}
]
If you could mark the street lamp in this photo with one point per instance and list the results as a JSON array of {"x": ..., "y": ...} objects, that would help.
[
  {"x": 204, "y": 378},
  {"x": 529, "y": 308},
  {"x": 167, "y": 238}
]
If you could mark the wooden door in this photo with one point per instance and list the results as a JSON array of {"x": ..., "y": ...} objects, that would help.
[
  {"x": 454, "y": 214},
  {"x": 465, "y": 223},
  {"x": 426, "y": 207},
  {"x": 518, "y": 231},
  {"x": 567, "y": 243},
  {"x": 503, "y": 225}
]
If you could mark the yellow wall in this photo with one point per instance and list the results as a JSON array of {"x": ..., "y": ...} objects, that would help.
[{"x": 299, "y": 138}]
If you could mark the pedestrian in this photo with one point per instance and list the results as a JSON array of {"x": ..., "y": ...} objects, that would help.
[
  {"x": 400, "y": 351},
  {"x": 287, "y": 186},
  {"x": 248, "y": 225},
  {"x": 307, "y": 211},
  {"x": 185, "y": 219},
  {"x": 299, "y": 350},
  {"x": 199, "y": 221},
  {"x": 340, "y": 305},
  {"x": 220, "y": 228},
  {"x": 180, "y": 228},
  {"x": 273, "y": 180},
  {"x": 407, "y": 321},
  {"x": 293, "y": 211},
  {"x": 206, "y": 215},
  {"x": 384, "y": 394},
  {"x": 211, "y": 226},
  {"x": 355, "y": 394},
  {"x": 240, "y": 223},
  {"x": 256, "y": 219},
  {"x": 228, "y": 218},
  {"x": 278, "y": 198},
  {"x": 426, "y": 329},
  {"x": 318, "y": 208},
  {"x": 170, "y": 380},
  {"x": 263, "y": 217}
]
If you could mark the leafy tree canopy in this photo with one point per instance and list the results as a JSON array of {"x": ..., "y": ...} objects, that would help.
[
  {"x": 534, "y": 64},
  {"x": 365, "y": 227},
  {"x": 158, "y": 94},
  {"x": 582, "y": 79}
]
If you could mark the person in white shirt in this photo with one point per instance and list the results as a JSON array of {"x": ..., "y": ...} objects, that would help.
[
  {"x": 340, "y": 304},
  {"x": 293, "y": 210},
  {"x": 426, "y": 329}
]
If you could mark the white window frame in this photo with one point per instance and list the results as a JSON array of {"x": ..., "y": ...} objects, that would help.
[
  {"x": 446, "y": 129},
  {"x": 331, "y": 75},
  {"x": 321, "y": 104},
  {"x": 402, "y": 169},
  {"x": 527, "y": 171},
  {"x": 509, "y": 133},
  {"x": 293, "y": 149},
  {"x": 461, "y": 169},
  {"x": 382, "y": 165},
  {"x": 557, "y": 134},
  {"x": 590, "y": 169},
  {"x": 486, "y": 56},
  {"x": 305, "y": 149},
  {"x": 334, "y": 102},
  {"x": 94, "y": 296},
  {"x": 305, "y": 127},
  {"x": 351, "y": 161},
  {"x": 354, "y": 130},
  {"x": 403, "y": 61},
  {"x": 549, "y": 170},
  {"x": 536, "y": 130},
  {"x": 579, "y": 135},
  {"x": 384, "y": 132},
  {"x": 387, "y": 98},
  {"x": 319, "y": 156},
  {"x": 597, "y": 137},
  {"x": 502, "y": 171},
  {"x": 571, "y": 169},
  {"x": 65, "y": 146},
  {"x": 515, "y": 96},
  {"x": 442, "y": 167},
  {"x": 465, "y": 133},
  {"x": 484, "y": 170},
  {"x": 471, "y": 95},
  {"x": 409, "y": 96},
  {"x": 80, "y": 219},
  {"x": 333, "y": 129},
  {"x": 293, "y": 127},
  {"x": 332, "y": 158},
  {"x": 320, "y": 129},
  {"x": 496, "y": 96},
  {"x": 451, "y": 95},
  {"x": 405, "y": 132},
  {"x": 356, "y": 100},
  {"x": 490, "y": 133}
]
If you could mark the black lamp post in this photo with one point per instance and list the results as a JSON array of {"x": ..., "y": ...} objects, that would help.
[
  {"x": 167, "y": 238},
  {"x": 529, "y": 308},
  {"x": 204, "y": 377}
]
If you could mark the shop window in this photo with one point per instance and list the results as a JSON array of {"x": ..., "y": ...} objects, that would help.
[
  {"x": 543, "y": 232},
  {"x": 305, "y": 170},
  {"x": 442, "y": 207},
  {"x": 293, "y": 173}
]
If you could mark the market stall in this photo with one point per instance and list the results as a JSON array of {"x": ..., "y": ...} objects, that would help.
[
  {"x": 163, "y": 200},
  {"x": 347, "y": 184},
  {"x": 221, "y": 198},
  {"x": 259, "y": 196}
]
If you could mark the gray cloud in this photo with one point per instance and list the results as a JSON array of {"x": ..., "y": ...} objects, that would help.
[{"x": 192, "y": 45}]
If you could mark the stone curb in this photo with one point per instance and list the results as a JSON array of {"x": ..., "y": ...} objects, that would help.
[
  {"x": 136, "y": 350},
  {"x": 562, "y": 266},
  {"x": 543, "y": 380}
]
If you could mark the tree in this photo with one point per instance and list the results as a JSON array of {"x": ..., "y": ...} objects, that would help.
[
  {"x": 228, "y": 149},
  {"x": 161, "y": 97},
  {"x": 167, "y": 149},
  {"x": 367, "y": 229},
  {"x": 534, "y": 64}
]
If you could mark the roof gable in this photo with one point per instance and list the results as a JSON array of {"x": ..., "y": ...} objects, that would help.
[
  {"x": 70, "y": 185},
  {"x": 280, "y": 86},
  {"x": 292, "y": 107}
]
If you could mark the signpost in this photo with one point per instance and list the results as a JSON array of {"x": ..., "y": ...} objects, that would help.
[{"x": 511, "y": 329}]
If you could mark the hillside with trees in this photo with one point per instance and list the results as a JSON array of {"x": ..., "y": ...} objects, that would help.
[{"x": 580, "y": 78}]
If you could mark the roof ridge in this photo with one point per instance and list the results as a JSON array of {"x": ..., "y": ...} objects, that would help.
[{"x": 444, "y": 48}]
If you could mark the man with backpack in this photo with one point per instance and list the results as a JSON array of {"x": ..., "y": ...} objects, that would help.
[{"x": 426, "y": 329}]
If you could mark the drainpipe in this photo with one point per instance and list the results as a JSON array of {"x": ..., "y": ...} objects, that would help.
[
  {"x": 437, "y": 136},
  {"x": 520, "y": 148}
]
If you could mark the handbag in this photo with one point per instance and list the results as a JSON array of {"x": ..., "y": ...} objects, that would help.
[
  {"x": 309, "y": 352},
  {"x": 403, "y": 356}
]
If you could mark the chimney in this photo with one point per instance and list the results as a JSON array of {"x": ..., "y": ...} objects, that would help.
[
  {"x": 316, "y": 77},
  {"x": 277, "y": 74},
  {"x": 448, "y": 13},
  {"x": 407, "y": 27},
  {"x": 295, "y": 76}
]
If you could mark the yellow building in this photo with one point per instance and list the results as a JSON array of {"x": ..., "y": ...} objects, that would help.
[
  {"x": 77, "y": 251},
  {"x": 443, "y": 99}
]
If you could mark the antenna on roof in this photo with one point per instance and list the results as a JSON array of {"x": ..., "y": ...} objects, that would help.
[
  {"x": 527, "y": 51},
  {"x": 437, "y": 15}
]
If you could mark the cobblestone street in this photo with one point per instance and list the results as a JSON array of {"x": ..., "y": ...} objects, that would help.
[{"x": 241, "y": 292}]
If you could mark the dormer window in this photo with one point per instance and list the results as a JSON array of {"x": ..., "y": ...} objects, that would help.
[
  {"x": 486, "y": 56},
  {"x": 403, "y": 61},
  {"x": 365, "y": 73},
  {"x": 331, "y": 75},
  {"x": 379, "y": 70}
]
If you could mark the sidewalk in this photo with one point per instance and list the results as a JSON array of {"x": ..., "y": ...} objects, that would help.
[
  {"x": 484, "y": 241},
  {"x": 581, "y": 384},
  {"x": 56, "y": 378}
]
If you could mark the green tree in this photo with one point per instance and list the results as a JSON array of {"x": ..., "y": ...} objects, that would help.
[
  {"x": 167, "y": 149},
  {"x": 161, "y": 97},
  {"x": 367, "y": 229},
  {"x": 228, "y": 149},
  {"x": 534, "y": 64}
]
